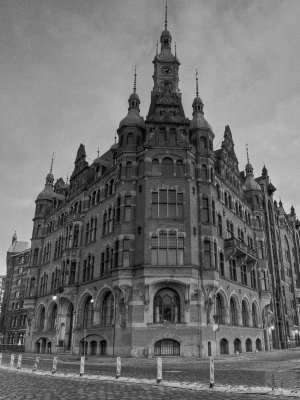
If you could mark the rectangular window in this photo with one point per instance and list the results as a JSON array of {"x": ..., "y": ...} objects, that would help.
[
  {"x": 232, "y": 266},
  {"x": 253, "y": 279},
  {"x": 205, "y": 210},
  {"x": 216, "y": 255},
  {"x": 220, "y": 227},
  {"x": 213, "y": 207},
  {"x": 207, "y": 255},
  {"x": 222, "y": 267},
  {"x": 35, "y": 256},
  {"x": 244, "y": 275},
  {"x": 127, "y": 213},
  {"x": 163, "y": 203},
  {"x": 154, "y": 204},
  {"x": 167, "y": 204}
]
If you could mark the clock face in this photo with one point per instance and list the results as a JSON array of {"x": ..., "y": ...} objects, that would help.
[{"x": 166, "y": 69}]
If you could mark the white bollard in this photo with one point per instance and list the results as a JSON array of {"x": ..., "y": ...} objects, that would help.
[
  {"x": 211, "y": 372},
  {"x": 159, "y": 370},
  {"x": 12, "y": 361},
  {"x": 82, "y": 361},
  {"x": 36, "y": 364},
  {"x": 118, "y": 374},
  {"x": 0, "y": 358},
  {"x": 54, "y": 366},
  {"x": 19, "y": 361}
]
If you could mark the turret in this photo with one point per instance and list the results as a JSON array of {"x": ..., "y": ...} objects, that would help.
[{"x": 132, "y": 126}]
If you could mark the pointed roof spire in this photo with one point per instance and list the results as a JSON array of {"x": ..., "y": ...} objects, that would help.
[
  {"x": 166, "y": 16},
  {"x": 197, "y": 87},
  {"x": 175, "y": 49},
  {"x": 98, "y": 152},
  {"x": 134, "y": 84},
  {"x": 51, "y": 167},
  {"x": 247, "y": 153},
  {"x": 157, "y": 48}
]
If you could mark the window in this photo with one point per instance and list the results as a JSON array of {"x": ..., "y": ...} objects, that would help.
[
  {"x": 155, "y": 167},
  {"x": 179, "y": 169},
  {"x": 141, "y": 168},
  {"x": 128, "y": 208},
  {"x": 53, "y": 319},
  {"x": 220, "y": 312},
  {"x": 220, "y": 227},
  {"x": 204, "y": 173},
  {"x": 167, "y": 248},
  {"x": 167, "y": 203},
  {"x": 41, "y": 320},
  {"x": 218, "y": 191},
  {"x": 254, "y": 315},
  {"x": 107, "y": 311},
  {"x": 205, "y": 210},
  {"x": 207, "y": 254},
  {"x": 88, "y": 312},
  {"x": 213, "y": 207},
  {"x": 167, "y": 167},
  {"x": 126, "y": 252},
  {"x": 222, "y": 269},
  {"x": 244, "y": 275},
  {"x": 76, "y": 236},
  {"x": 72, "y": 273},
  {"x": 166, "y": 306},
  {"x": 232, "y": 268},
  {"x": 245, "y": 315},
  {"x": 233, "y": 312},
  {"x": 216, "y": 255},
  {"x": 253, "y": 279},
  {"x": 129, "y": 170},
  {"x": 203, "y": 142}
]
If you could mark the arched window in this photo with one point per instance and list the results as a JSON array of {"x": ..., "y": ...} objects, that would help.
[
  {"x": 88, "y": 312},
  {"x": 130, "y": 138},
  {"x": 155, "y": 167},
  {"x": 219, "y": 310},
  {"x": 179, "y": 169},
  {"x": 53, "y": 319},
  {"x": 248, "y": 345},
  {"x": 172, "y": 136},
  {"x": 167, "y": 167},
  {"x": 245, "y": 314},
  {"x": 254, "y": 315},
  {"x": 107, "y": 315},
  {"x": 204, "y": 173},
  {"x": 42, "y": 320},
  {"x": 129, "y": 169},
  {"x": 167, "y": 347},
  {"x": 166, "y": 306},
  {"x": 233, "y": 312},
  {"x": 224, "y": 346},
  {"x": 203, "y": 142},
  {"x": 237, "y": 345}
]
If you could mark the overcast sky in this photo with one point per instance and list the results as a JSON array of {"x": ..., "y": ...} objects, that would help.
[{"x": 67, "y": 72}]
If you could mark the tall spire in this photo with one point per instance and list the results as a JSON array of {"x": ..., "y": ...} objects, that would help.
[
  {"x": 197, "y": 87},
  {"x": 247, "y": 153},
  {"x": 51, "y": 167},
  {"x": 134, "y": 84},
  {"x": 166, "y": 16}
]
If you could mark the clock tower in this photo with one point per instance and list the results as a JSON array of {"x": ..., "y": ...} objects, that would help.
[{"x": 165, "y": 96}]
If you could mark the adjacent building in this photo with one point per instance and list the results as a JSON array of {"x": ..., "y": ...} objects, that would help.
[
  {"x": 13, "y": 327},
  {"x": 162, "y": 245}
]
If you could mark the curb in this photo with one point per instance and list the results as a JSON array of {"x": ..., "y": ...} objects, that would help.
[{"x": 178, "y": 385}]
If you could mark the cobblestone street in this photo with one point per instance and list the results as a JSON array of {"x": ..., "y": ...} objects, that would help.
[{"x": 18, "y": 385}]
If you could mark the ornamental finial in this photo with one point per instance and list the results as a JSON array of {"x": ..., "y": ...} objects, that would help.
[
  {"x": 166, "y": 16},
  {"x": 134, "y": 84},
  {"x": 197, "y": 87}
]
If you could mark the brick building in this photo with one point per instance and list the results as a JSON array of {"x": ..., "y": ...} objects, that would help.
[
  {"x": 14, "y": 313},
  {"x": 162, "y": 246}
]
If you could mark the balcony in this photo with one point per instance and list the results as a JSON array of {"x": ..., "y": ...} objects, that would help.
[{"x": 235, "y": 248}]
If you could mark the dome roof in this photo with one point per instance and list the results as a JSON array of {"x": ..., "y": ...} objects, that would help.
[
  {"x": 134, "y": 96},
  {"x": 133, "y": 118},
  {"x": 46, "y": 194},
  {"x": 251, "y": 184},
  {"x": 114, "y": 147},
  {"x": 199, "y": 122}
]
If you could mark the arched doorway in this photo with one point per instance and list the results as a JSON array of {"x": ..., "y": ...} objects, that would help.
[
  {"x": 93, "y": 347},
  {"x": 237, "y": 344},
  {"x": 167, "y": 347},
  {"x": 248, "y": 345},
  {"x": 258, "y": 345},
  {"x": 103, "y": 345},
  {"x": 224, "y": 346}
]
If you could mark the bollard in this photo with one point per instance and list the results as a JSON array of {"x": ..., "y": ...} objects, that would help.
[
  {"x": 12, "y": 361},
  {"x": 159, "y": 370},
  {"x": 82, "y": 361},
  {"x": 118, "y": 374},
  {"x": 211, "y": 372},
  {"x": 54, "y": 366},
  {"x": 35, "y": 365},
  {"x": 19, "y": 361},
  {"x": 0, "y": 358}
]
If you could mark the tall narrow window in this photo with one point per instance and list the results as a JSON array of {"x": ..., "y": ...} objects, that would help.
[
  {"x": 207, "y": 254},
  {"x": 179, "y": 169},
  {"x": 222, "y": 267},
  {"x": 244, "y": 275},
  {"x": 155, "y": 167},
  {"x": 107, "y": 314},
  {"x": 127, "y": 210},
  {"x": 204, "y": 173},
  {"x": 126, "y": 253},
  {"x": 129, "y": 169},
  {"x": 232, "y": 267},
  {"x": 220, "y": 227},
  {"x": 167, "y": 167},
  {"x": 205, "y": 210}
]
